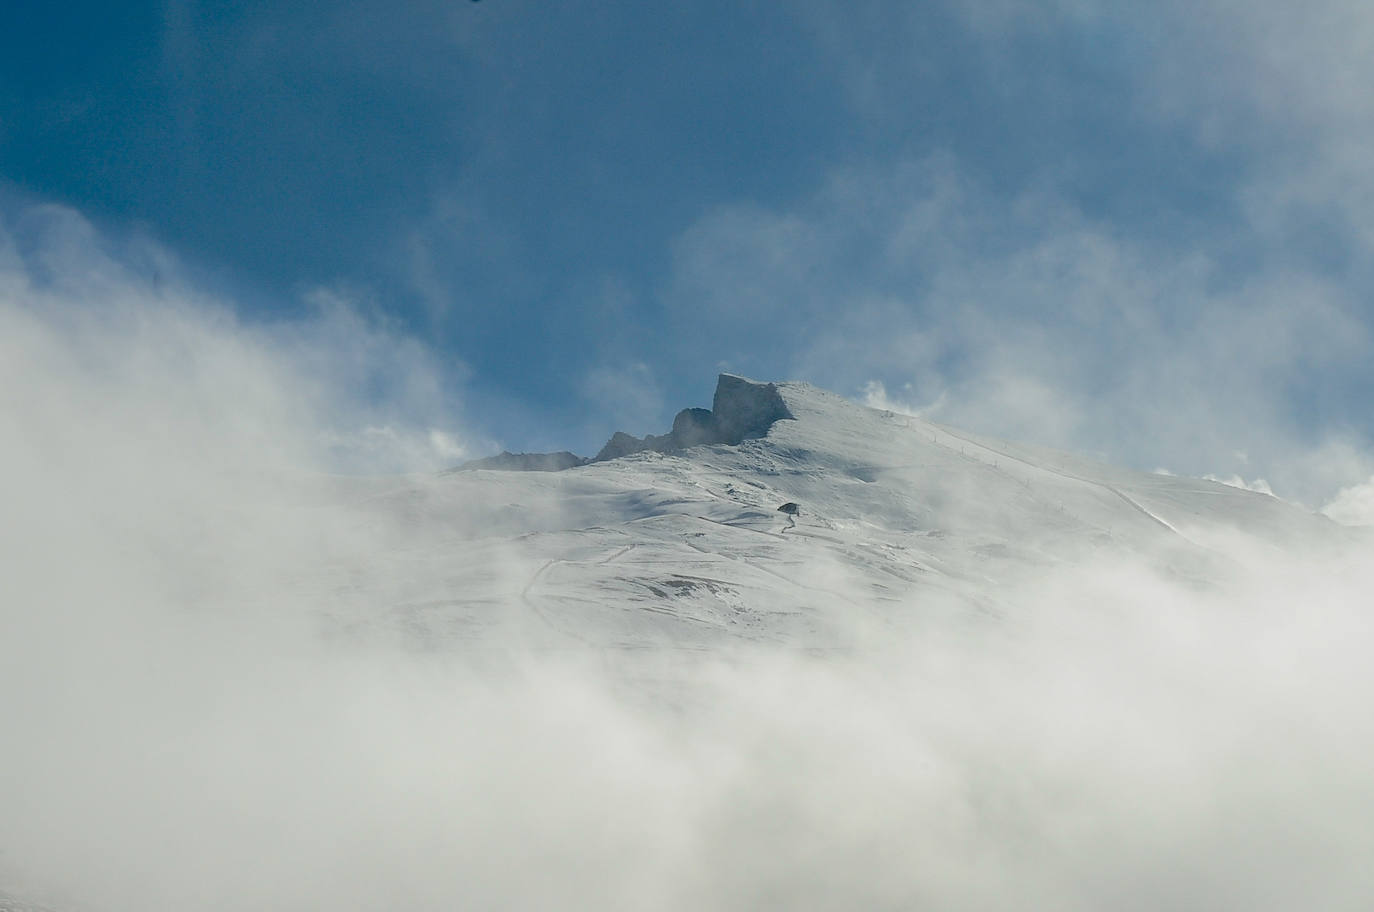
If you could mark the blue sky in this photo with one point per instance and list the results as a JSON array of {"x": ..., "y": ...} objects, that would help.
[{"x": 1141, "y": 233}]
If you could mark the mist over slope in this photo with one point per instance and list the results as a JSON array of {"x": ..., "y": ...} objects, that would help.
[
  {"x": 962, "y": 674},
  {"x": 681, "y": 546}
]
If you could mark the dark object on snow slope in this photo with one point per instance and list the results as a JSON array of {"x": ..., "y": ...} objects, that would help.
[{"x": 790, "y": 508}]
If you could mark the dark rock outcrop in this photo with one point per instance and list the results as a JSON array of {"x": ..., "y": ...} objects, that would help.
[
  {"x": 741, "y": 409},
  {"x": 694, "y": 427},
  {"x": 744, "y": 409},
  {"x": 621, "y": 444}
]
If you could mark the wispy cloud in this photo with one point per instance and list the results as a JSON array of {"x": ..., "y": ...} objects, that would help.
[
  {"x": 1353, "y": 505},
  {"x": 1032, "y": 320},
  {"x": 101, "y": 318},
  {"x": 177, "y": 727}
]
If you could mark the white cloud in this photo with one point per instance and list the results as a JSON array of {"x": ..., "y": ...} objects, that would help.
[
  {"x": 1259, "y": 485},
  {"x": 875, "y": 396},
  {"x": 171, "y": 716},
  {"x": 145, "y": 352},
  {"x": 1175, "y": 335},
  {"x": 175, "y": 727},
  {"x": 1353, "y": 506},
  {"x": 1029, "y": 320}
]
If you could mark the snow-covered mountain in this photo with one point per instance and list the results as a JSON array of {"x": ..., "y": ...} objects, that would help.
[
  {"x": 792, "y": 653},
  {"x": 785, "y": 514}
]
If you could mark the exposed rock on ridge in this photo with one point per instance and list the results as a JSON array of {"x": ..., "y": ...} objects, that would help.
[
  {"x": 740, "y": 409},
  {"x": 743, "y": 408}
]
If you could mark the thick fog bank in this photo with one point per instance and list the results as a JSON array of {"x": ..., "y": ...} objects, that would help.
[{"x": 179, "y": 731}]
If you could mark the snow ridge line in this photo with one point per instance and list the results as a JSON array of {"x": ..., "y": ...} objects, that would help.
[{"x": 1136, "y": 505}]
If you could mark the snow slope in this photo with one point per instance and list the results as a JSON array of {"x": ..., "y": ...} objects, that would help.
[{"x": 687, "y": 549}]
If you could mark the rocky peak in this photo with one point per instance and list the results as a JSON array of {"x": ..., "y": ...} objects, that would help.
[{"x": 740, "y": 409}]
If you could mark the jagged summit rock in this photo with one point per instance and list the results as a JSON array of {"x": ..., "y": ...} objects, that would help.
[
  {"x": 741, "y": 409},
  {"x": 695, "y": 427},
  {"x": 744, "y": 408},
  {"x": 621, "y": 444}
]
